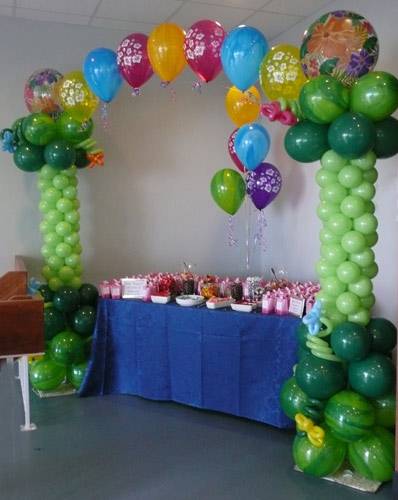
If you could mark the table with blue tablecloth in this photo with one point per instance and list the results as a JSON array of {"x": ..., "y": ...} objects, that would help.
[{"x": 212, "y": 359}]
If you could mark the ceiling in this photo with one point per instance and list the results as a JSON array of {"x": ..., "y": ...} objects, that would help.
[{"x": 273, "y": 17}]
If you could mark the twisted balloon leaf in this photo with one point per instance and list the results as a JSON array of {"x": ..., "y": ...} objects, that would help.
[
  {"x": 321, "y": 349},
  {"x": 315, "y": 434}
]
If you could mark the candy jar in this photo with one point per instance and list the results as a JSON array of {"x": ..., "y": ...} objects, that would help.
[{"x": 237, "y": 291}]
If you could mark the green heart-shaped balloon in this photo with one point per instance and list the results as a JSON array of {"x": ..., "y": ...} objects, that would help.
[{"x": 228, "y": 190}]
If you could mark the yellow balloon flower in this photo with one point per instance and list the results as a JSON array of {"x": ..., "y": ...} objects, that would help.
[
  {"x": 166, "y": 51},
  {"x": 281, "y": 74},
  {"x": 75, "y": 96},
  {"x": 243, "y": 107}
]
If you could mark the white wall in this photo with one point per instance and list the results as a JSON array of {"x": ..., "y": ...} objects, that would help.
[{"x": 149, "y": 208}]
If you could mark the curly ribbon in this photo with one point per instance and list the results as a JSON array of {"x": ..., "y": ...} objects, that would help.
[
  {"x": 96, "y": 159},
  {"x": 8, "y": 141},
  {"x": 136, "y": 92},
  {"x": 104, "y": 114},
  {"x": 259, "y": 235},
  {"x": 197, "y": 87},
  {"x": 315, "y": 434},
  {"x": 232, "y": 241}
]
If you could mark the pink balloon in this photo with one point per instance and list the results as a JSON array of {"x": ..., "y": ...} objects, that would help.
[
  {"x": 202, "y": 48},
  {"x": 232, "y": 152},
  {"x": 133, "y": 60}
]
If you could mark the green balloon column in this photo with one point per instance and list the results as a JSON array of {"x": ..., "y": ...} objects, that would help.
[
  {"x": 345, "y": 361},
  {"x": 57, "y": 146}
]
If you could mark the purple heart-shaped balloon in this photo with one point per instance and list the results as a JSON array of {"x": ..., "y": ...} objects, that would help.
[{"x": 263, "y": 184}]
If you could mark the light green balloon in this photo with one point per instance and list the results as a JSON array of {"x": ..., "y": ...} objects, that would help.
[
  {"x": 365, "y": 258},
  {"x": 332, "y": 161},
  {"x": 47, "y": 172},
  {"x": 45, "y": 206},
  {"x": 350, "y": 176},
  {"x": 63, "y": 228},
  {"x": 55, "y": 262},
  {"x": 366, "y": 224},
  {"x": 335, "y": 316},
  {"x": 72, "y": 217},
  {"x": 365, "y": 162},
  {"x": 63, "y": 250},
  {"x": 372, "y": 239},
  {"x": 325, "y": 177},
  {"x": 52, "y": 239},
  {"x": 370, "y": 207},
  {"x": 371, "y": 271},
  {"x": 64, "y": 205},
  {"x": 79, "y": 270},
  {"x": 45, "y": 227},
  {"x": 333, "y": 193},
  {"x": 324, "y": 269},
  {"x": 363, "y": 287},
  {"x": 55, "y": 283},
  {"x": 60, "y": 181},
  {"x": 46, "y": 272},
  {"x": 327, "y": 236},
  {"x": 72, "y": 239},
  {"x": 333, "y": 286},
  {"x": 66, "y": 274},
  {"x": 369, "y": 301},
  {"x": 326, "y": 209},
  {"x": 353, "y": 242},
  {"x": 52, "y": 195},
  {"x": 54, "y": 216},
  {"x": 361, "y": 316},
  {"x": 46, "y": 251},
  {"x": 339, "y": 224},
  {"x": 76, "y": 204},
  {"x": 76, "y": 227},
  {"x": 72, "y": 261},
  {"x": 348, "y": 272},
  {"x": 353, "y": 206},
  {"x": 348, "y": 303},
  {"x": 75, "y": 282},
  {"x": 70, "y": 192},
  {"x": 73, "y": 181},
  {"x": 371, "y": 175},
  {"x": 77, "y": 249},
  {"x": 43, "y": 184},
  {"x": 334, "y": 254},
  {"x": 71, "y": 171},
  {"x": 365, "y": 190},
  {"x": 325, "y": 299}
]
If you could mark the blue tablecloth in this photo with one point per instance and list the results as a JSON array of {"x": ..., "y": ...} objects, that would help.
[{"x": 218, "y": 360}]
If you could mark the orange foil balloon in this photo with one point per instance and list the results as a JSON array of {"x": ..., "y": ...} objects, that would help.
[
  {"x": 166, "y": 51},
  {"x": 243, "y": 107}
]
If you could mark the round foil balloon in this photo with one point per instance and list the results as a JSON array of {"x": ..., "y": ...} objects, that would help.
[
  {"x": 133, "y": 60},
  {"x": 202, "y": 49},
  {"x": 342, "y": 44},
  {"x": 281, "y": 74},
  {"x": 39, "y": 92}
]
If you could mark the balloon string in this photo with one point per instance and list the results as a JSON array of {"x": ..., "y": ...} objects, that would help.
[
  {"x": 259, "y": 235},
  {"x": 197, "y": 87},
  {"x": 136, "y": 92},
  {"x": 173, "y": 95},
  {"x": 104, "y": 114},
  {"x": 232, "y": 241}
]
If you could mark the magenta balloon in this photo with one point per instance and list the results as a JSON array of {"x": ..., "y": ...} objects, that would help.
[
  {"x": 263, "y": 184},
  {"x": 232, "y": 152},
  {"x": 202, "y": 49},
  {"x": 133, "y": 61}
]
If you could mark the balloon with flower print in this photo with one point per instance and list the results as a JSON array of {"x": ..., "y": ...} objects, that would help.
[
  {"x": 133, "y": 61},
  {"x": 202, "y": 49},
  {"x": 76, "y": 97},
  {"x": 263, "y": 185},
  {"x": 342, "y": 44},
  {"x": 40, "y": 91}
]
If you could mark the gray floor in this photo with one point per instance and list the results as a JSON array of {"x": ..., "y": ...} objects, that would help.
[{"x": 121, "y": 447}]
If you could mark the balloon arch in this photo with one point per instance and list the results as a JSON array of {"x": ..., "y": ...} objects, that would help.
[{"x": 338, "y": 111}]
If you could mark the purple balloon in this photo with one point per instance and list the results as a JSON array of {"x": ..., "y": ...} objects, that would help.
[{"x": 263, "y": 184}]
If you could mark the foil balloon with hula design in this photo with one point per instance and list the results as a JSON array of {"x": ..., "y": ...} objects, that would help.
[
  {"x": 340, "y": 43},
  {"x": 40, "y": 91}
]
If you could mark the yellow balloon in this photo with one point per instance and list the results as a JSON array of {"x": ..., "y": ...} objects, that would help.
[
  {"x": 166, "y": 51},
  {"x": 75, "y": 96},
  {"x": 281, "y": 74},
  {"x": 243, "y": 107}
]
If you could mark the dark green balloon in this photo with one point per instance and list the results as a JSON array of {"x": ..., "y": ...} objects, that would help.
[
  {"x": 384, "y": 335},
  {"x": 28, "y": 157},
  {"x": 46, "y": 292},
  {"x": 76, "y": 374},
  {"x": 84, "y": 320},
  {"x": 323, "y": 99},
  {"x": 352, "y": 135},
  {"x": 373, "y": 377},
  {"x": 320, "y": 378},
  {"x": 293, "y": 400},
  {"x": 386, "y": 138},
  {"x": 385, "y": 410},
  {"x": 39, "y": 129},
  {"x": 350, "y": 341},
  {"x": 72, "y": 130},
  {"x": 306, "y": 141},
  {"x": 67, "y": 348},
  {"x": 60, "y": 154},
  {"x": 81, "y": 160},
  {"x": 66, "y": 299},
  {"x": 88, "y": 295},
  {"x": 54, "y": 322},
  {"x": 46, "y": 375},
  {"x": 301, "y": 334}
]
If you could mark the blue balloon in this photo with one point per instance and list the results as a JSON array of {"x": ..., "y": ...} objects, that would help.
[
  {"x": 252, "y": 144},
  {"x": 102, "y": 74},
  {"x": 242, "y": 51}
]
